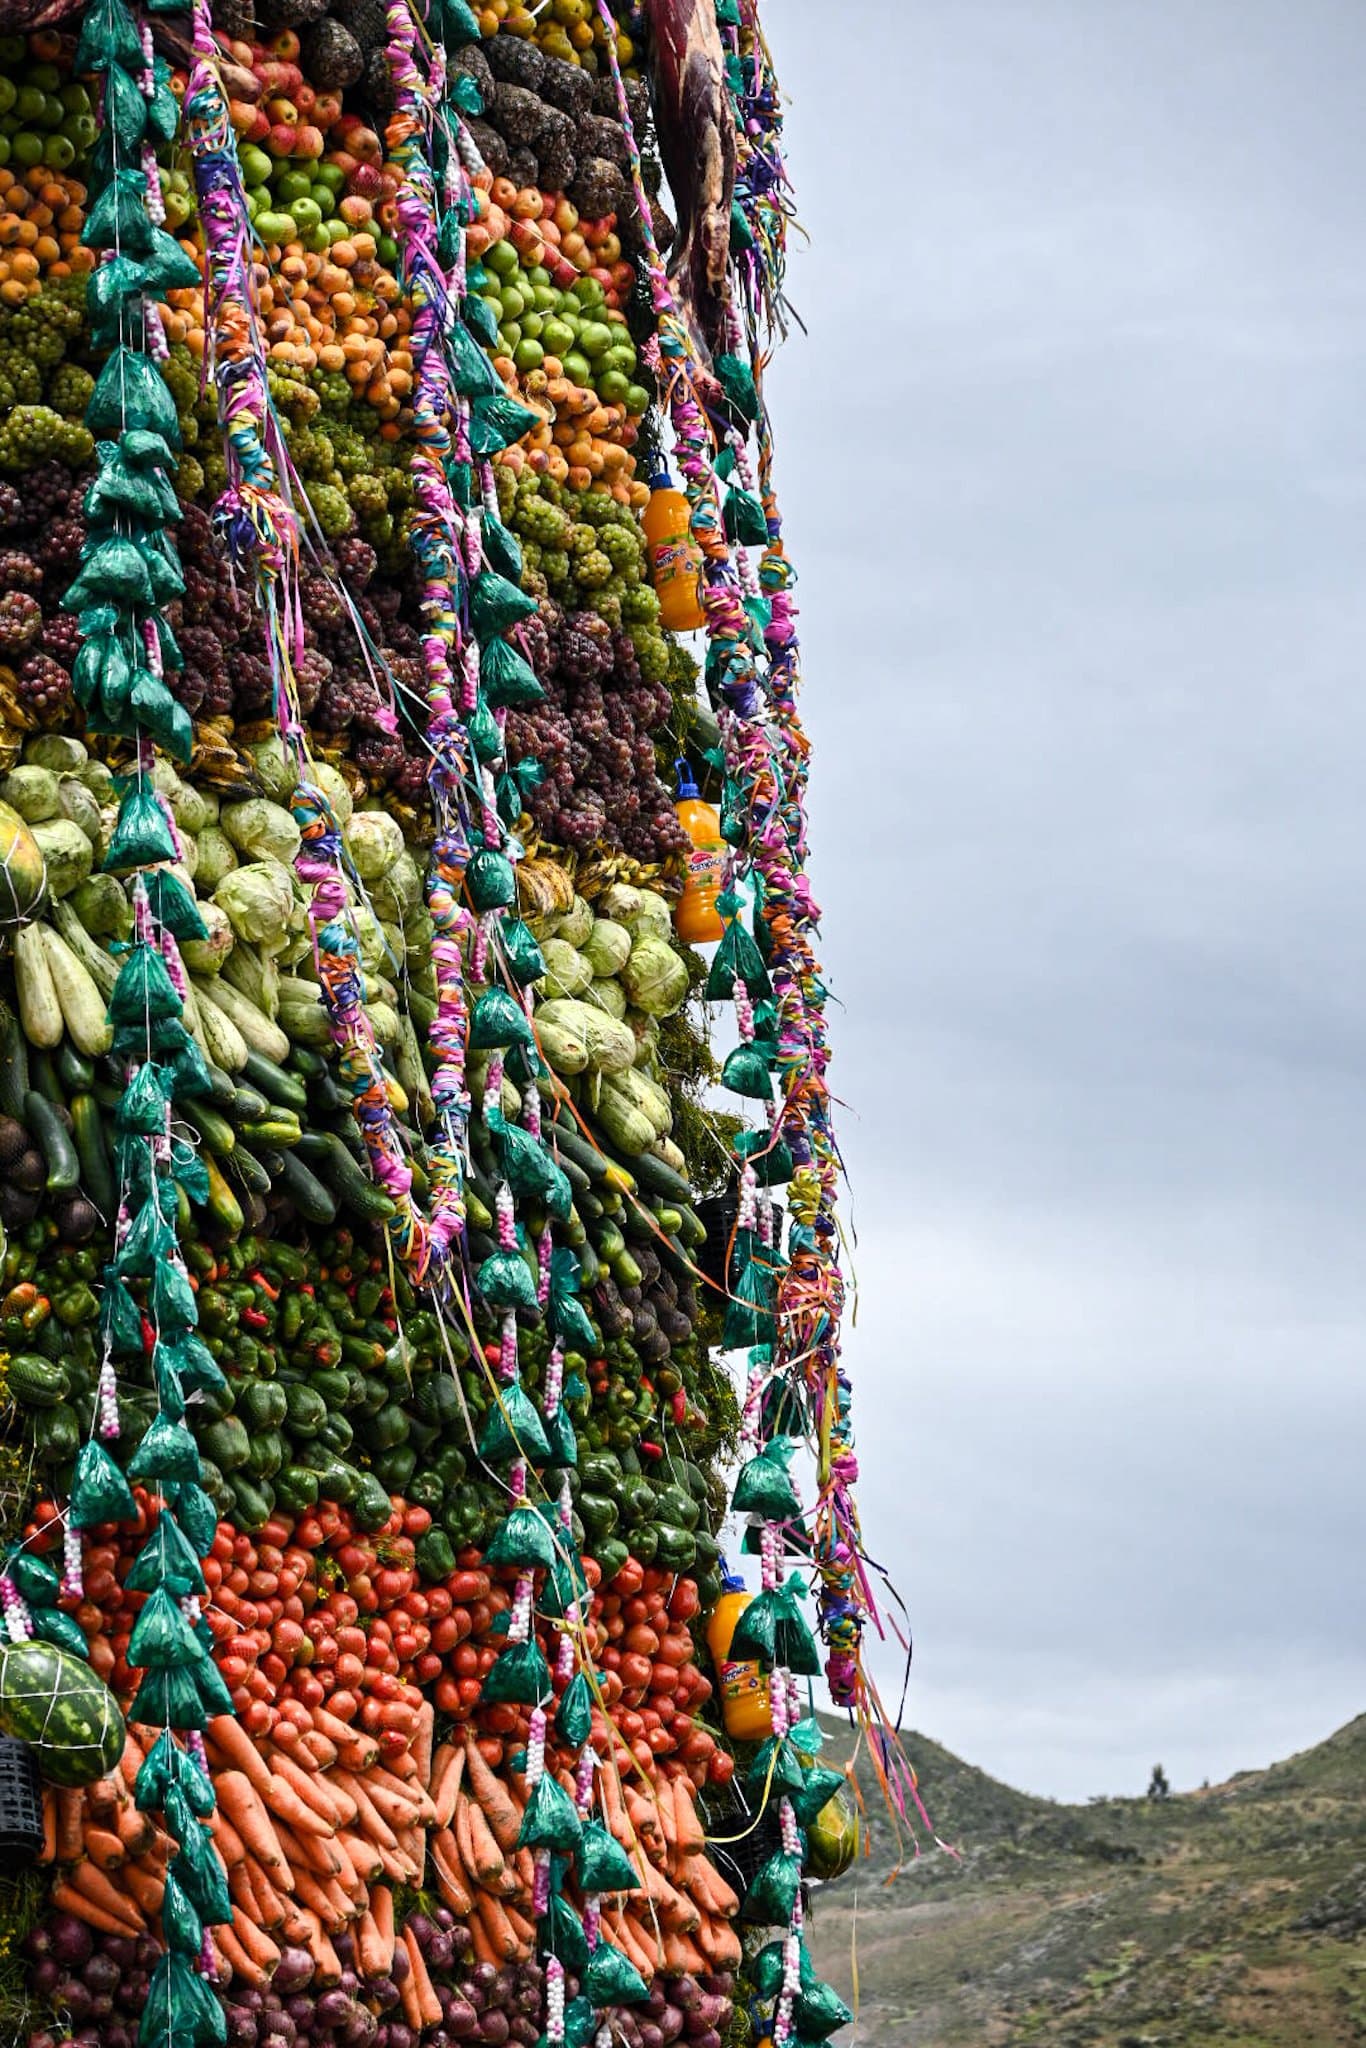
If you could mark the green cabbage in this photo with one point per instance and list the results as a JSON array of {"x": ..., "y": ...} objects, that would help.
[
  {"x": 374, "y": 841},
  {"x": 654, "y": 976},
  {"x": 260, "y": 829},
  {"x": 206, "y": 956},
  {"x": 216, "y": 858},
  {"x": 259, "y": 899},
  {"x": 607, "y": 947}
]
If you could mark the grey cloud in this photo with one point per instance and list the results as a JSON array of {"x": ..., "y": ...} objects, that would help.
[{"x": 1080, "y": 514}]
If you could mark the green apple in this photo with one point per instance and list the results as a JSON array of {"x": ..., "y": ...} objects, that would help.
[
  {"x": 80, "y": 129},
  {"x": 331, "y": 175},
  {"x": 637, "y": 400},
  {"x": 318, "y": 240},
  {"x": 53, "y": 112},
  {"x": 307, "y": 214},
  {"x": 336, "y": 231},
  {"x": 59, "y": 152},
  {"x": 9, "y": 93},
  {"x": 528, "y": 355},
  {"x": 513, "y": 304},
  {"x": 75, "y": 99},
  {"x": 257, "y": 167},
  {"x": 291, "y": 185},
  {"x": 46, "y": 77},
  {"x": 28, "y": 148},
  {"x": 323, "y": 197},
  {"x": 29, "y": 103},
  {"x": 577, "y": 367},
  {"x": 387, "y": 251},
  {"x": 595, "y": 337},
  {"x": 533, "y": 325},
  {"x": 621, "y": 357},
  {"x": 613, "y": 387},
  {"x": 178, "y": 209},
  {"x": 547, "y": 298},
  {"x": 587, "y": 291},
  {"x": 509, "y": 334},
  {"x": 557, "y": 336},
  {"x": 501, "y": 259},
  {"x": 4, "y": 149}
]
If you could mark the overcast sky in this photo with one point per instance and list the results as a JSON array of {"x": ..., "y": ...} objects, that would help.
[{"x": 1074, "y": 466}]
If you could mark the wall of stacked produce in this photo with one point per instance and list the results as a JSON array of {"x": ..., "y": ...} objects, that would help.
[{"x": 392, "y": 1294}]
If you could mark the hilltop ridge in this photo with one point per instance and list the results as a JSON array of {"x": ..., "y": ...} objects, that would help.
[{"x": 1233, "y": 1915}]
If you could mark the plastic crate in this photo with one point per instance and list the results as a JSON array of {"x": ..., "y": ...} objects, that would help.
[{"x": 21, "y": 1805}]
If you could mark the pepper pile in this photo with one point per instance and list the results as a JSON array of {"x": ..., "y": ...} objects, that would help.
[{"x": 373, "y": 1239}]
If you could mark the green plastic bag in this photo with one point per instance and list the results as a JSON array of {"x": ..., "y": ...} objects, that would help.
[
  {"x": 737, "y": 958},
  {"x": 118, "y": 219},
  {"x": 496, "y": 604},
  {"x": 120, "y": 1323},
  {"x": 150, "y": 1237},
  {"x": 764, "y": 1485},
  {"x": 168, "y": 1699},
  {"x": 124, "y": 111},
  {"x": 498, "y": 1020},
  {"x": 773, "y": 1894},
  {"x": 181, "y": 1925},
  {"x": 496, "y": 422},
  {"x": 490, "y": 880},
  {"x": 482, "y": 322},
  {"x": 502, "y": 550},
  {"x": 736, "y": 379},
  {"x": 772, "y": 1631},
  {"x": 549, "y": 1820},
  {"x": 143, "y": 1106},
  {"x": 559, "y": 1932},
  {"x": 746, "y": 1072},
  {"x": 507, "y": 677},
  {"x": 744, "y": 518},
  {"x": 612, "y": 1978},
  {"x": 818, "y": 2010},
  {"x": 519, "y": 951},
  {"x": 197, "y": 1515},
  {"x": 143, "y": 989},
  {"x": 108, "y": 36},
  {"x": 166, "y": 1763},
  {"x": 512, "y": 1429},
  {"x": 115, "y": 571},
  {"x": 471, "y": 371},
  {"x": 33, "y": 1577},
  {"x": 174, "y": 907},
  {"x": 481, "y": 729},
  {"x": 574, "y": 1716},
  {"x": 563, "y": 1451},
  {"x": 141, "y": 834},
  {"x": 601, "y": 1862},
  {"x": 175, "y": 2014},
  {"x": 161, "y": 1638},
  {"x": 565, "y": 1583},
  {"x": 166, "y": 1452},
  {"x": 99, "y": 1491},
  {"x": 504, "y": 1282},
  {"x": 519, "y": 1678},
  {"x": 523, "y": 1539},
  {"x": 131, "y": 392},
  {"x": 50, "y": 1625}
]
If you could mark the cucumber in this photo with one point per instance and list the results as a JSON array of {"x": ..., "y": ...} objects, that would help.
[
  {"x": 658, "y": 1179},
  {"x": 217, "y": 1133},
  {"x": 280, "y": 1130},
  {"x": 314, "y": 1202},
  {"x": 13, "y": 1066},
  {"x": 249, "y": 1171},
  {"x": 223, "y": 1203},
  {"x": 74, "y": 1071},
  {"x": 302, "y": 1058},
  {"x": 44, "y": 1123},
  {"x": 97, "y": 1168},
  {"x": 248, "y": 1104},
  {"x": 43, "y": 1076},
  {"x": 351, "y": 1184},
  {"x": 222, "y": 1088},
  {"x": 82, "y": 1004},
  {"x": 285, "y": 1090}
]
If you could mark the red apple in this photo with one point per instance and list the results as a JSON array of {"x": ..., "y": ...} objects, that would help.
[
  {"x": 282, "y": 139},
  {"x": 365, "y": 181},
  {"x": 309, "y": 142},
  {"x": 286, "y": 46}
]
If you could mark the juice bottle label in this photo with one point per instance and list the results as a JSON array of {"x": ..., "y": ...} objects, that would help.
[
  {"x": 675, "y": 558},
  {"x": 741, "y": 1682},
  {"x": 706, "y": 865}
]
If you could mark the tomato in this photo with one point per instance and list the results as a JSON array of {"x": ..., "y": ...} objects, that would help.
[
  {"x": 447, "y": 1696},
  {"x": 349, "y": 1668},
  {"x": 641, "y": 1641},
  {"x": 467, "y": 1586},
  {"x": 721, "y": 1769},
  {"x": 427, "y": 1667}
]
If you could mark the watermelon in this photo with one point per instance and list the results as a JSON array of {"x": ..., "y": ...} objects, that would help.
[{"x": 57, "y": 1705}]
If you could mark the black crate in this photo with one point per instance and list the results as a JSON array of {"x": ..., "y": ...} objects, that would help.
[
  {"x": 21, "y": 1805},
  {"x": 717, "y": 1213},
  {"x": 760, "y": 1836}
]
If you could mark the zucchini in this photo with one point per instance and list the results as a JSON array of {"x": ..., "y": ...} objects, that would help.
[
  {"x": 97, "y": 1168},
  {"x": 314, "y": 1202},
  {"x": 259, "y": 1034},
  {"x": 227, "y": 1045},
  {"x": 44, "y": 1122},
  {"x": 39, "y": 1010},
  {"x": 223, "y": 1087},
  {"x": 286, "y": 1091},
  {"x": 43, "y": 1071},
  {"x": 102, "y": 969},
  {"x": 249, "y": 1171},
  {"x": 82, "y": 1005}
]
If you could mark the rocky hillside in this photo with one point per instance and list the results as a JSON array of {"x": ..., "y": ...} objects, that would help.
[{"x": 1233, "y": 1915}]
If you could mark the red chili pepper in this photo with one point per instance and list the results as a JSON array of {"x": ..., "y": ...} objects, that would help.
[
  {"x": 650, "y": 1450},
  {"x": 254, "y": 1319}
]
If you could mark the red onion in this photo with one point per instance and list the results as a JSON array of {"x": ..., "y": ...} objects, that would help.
[
  {"x": 122, "y": 1951},
  {"x": 708, "y": 2038},
  {"x": 71, "y": 1941},
  {"x": 45, "y": 1976},
  {"x": 293, "y": 1971},
  {"x": 421, "y": 1929},
  {"x": 651, "y": 2036},
  {"x": 71, "y": 1997},
  {"x": 524, "y": 2031},
  {"x": 383, "y": 1992},
  {"x": 242, "y": 2028},
  {"x": 670, "y": 2022},
  {"x": 483, "y": 1977},
  {"x": 400, "y": 2035},
  {"x": 278, "y": 2027},
  {"x": 300, "y": 2010},
  {"x": 461, "y": 2019},
  {"x": 494, "y": 2028},
  {"x": 398, "y": 1969},
  {"x": 332, "y": 2010}
]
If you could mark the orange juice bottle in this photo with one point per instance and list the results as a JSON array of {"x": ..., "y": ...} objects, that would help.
[
  {"x": 675, "y": 558},
  {"x": 744, "y": 1688},
  {"x": 696, "y": 918}
]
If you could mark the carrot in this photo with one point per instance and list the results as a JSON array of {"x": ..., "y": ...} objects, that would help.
[
  {"x": 326, "y": 1800},
  {"x": 235, "y": 1955},
  {"x": 316, "y": 1746},
  {"x": 502, "y": 1940},
  {"x": 489, "y": 1864},
  {"x": 68, "y": 1900},
  {"x": 228, "y": 1842},
  {"x": 371, "y": 1822},
  {"x": 450, "y": 1875},
  {"x": 284, "y": 1801},
  {"x": 710, "y": 1889},
  {"x": 363, "y": 1856},
  {"x": 408, "y": 1994},
  {"x": 105, "y": 1850},
  {"x": 503, "y": 1818},
  {"x": 48, "y": 1852},
  {"x": 448, "y": 1768},
  {"x": 326, "y": 1961},
  {"x": 145, "y": 1886},
  {"x": 316, "y": 1854},
  {"x": 355, "y": 1750},
  {"x": 373, "y": 1951},
  {"x": 242, "y": 1808},
  {"x": 427, "y": 1999},
  {"x": 93, "y": 1885},
  {"x": 238, "y": 1751},
  {"x": 382, "y": 1912},
  {"x": 272, "y": 1907},
  {"x": 103, "y": 1800},
  {"x": 484, "y": 1951},
  {"x": 691, "y": 1839},
  {"x": 69, "y": 1827},
  {"x": 134, "y": 1829},
  {"x": 421, "y": 1751}
]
